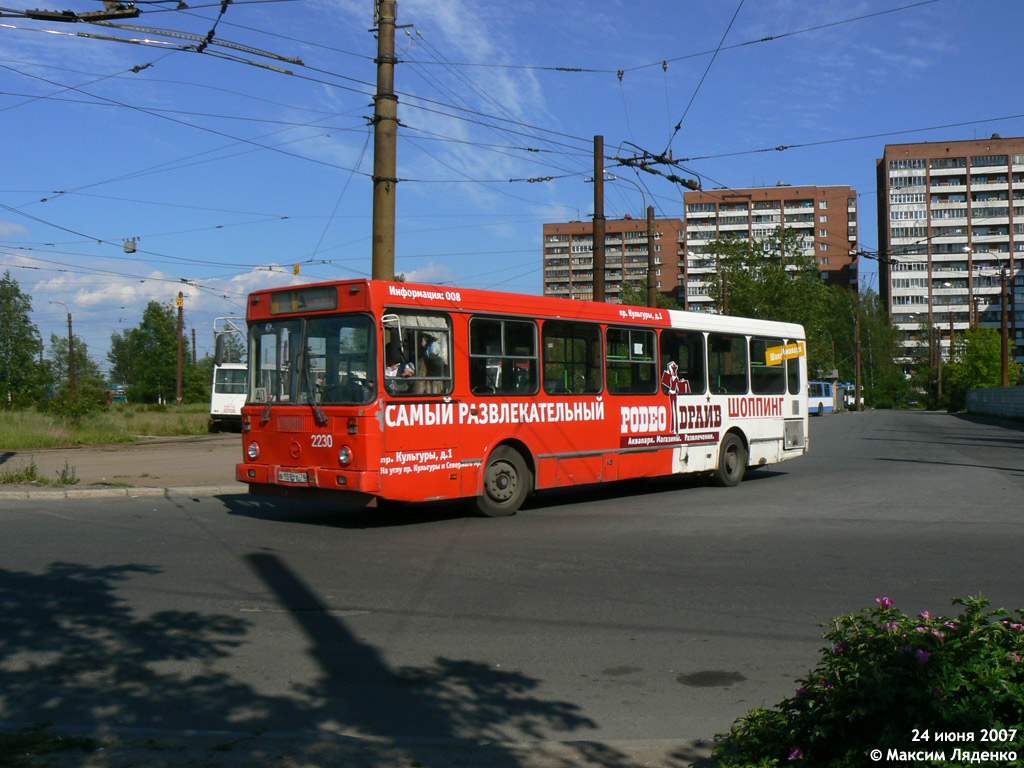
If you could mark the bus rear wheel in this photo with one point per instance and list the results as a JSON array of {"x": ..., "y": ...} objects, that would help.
[
  {"x": 507, "y": 482},
  {"x": 732, "y": 461}
]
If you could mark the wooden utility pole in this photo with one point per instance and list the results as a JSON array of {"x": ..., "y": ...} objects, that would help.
[
  {"x": 193, "y": 346},
  {"x": 385, "y": 144},
  {"x": 652, "y": 286},
  {"x": 71, "y": 355},
  {"x": 71, "y": 350},
  {"x": 599, "y": 221},
  {"x": 181, "y": 318}
]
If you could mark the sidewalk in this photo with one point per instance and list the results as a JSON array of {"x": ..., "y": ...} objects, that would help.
[{"x": 197, "y": 465}]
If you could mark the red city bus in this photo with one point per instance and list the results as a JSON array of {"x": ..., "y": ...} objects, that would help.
[{"x": 368, "y": 390}]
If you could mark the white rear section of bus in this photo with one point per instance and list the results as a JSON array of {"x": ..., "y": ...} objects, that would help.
[{"x": 228, "y": 396}]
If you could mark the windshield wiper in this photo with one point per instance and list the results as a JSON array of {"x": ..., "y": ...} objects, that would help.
[{"x": 318, "y": 413}]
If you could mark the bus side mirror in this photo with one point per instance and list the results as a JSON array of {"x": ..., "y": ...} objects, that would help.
[{"x": 218, "y": 348}]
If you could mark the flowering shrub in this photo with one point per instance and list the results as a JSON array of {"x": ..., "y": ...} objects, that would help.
[{"x": 885, "y": 677}]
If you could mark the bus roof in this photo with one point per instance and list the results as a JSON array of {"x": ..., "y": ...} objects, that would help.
[{"x": 370, "y": 295}]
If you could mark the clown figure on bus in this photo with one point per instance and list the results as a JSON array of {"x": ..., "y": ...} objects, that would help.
[{"x": 674, "y": 386}]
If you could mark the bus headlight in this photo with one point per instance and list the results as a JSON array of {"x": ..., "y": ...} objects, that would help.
[
  {"x": 253, "y": 451},
  {"x": 345, "y": 455}
]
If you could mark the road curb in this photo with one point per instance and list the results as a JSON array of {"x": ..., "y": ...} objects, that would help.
[{"x": 51, "y": 494}]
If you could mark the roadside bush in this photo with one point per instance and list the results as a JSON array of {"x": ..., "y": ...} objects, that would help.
[
  {"x": 64, "y": 405},
  {"x": 884, "y": 676}
]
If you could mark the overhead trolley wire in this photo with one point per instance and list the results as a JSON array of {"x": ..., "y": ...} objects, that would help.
[
  {"x": 703, "y": 77},
  {"x": 661, "y": 62}
]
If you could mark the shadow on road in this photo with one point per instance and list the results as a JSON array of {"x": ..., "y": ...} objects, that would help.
[
  {"x": 336, "y": 515},
  {"x": 73, "y": 652},
  {"x": 1014, "y": 470}
]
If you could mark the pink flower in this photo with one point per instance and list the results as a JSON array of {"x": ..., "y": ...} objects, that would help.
[
  {"x": 938, "y": 634},
  {"x": 838, "y": 649},
  {"x": 801, "y": 692},
  {"x": 890, "y": 626},
  {"x": 952, "y": 626},
  {"x": 1016, "y": 657},
  {"x": 884, "y": 602},
  {"x": 1017, "y": 626},
  {"x": 922, "y": 630},
  {"x": 923, "y": 655},
  {"x": 924, "y": 615},
  {"x": 796, "y": 753}
]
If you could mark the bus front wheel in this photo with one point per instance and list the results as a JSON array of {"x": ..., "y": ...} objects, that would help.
[
  {"x": 507, "y": 482},
  {"x": 732, "y": 461}
]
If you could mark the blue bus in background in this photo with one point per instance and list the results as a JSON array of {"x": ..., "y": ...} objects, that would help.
[{"x": 821, "y": 398}]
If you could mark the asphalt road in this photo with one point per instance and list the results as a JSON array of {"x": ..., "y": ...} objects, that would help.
[{"x": 606, "y": 626}]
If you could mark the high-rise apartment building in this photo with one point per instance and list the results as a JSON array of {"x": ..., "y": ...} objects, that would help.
[
  {"x": 950, "y": 230},
  {"x": 569, "y": 257},
  {"x": 825, "y": 218}
]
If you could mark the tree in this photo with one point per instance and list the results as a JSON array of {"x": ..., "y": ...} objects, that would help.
[
  {"x": 87, "y": 372},
  {"x": 976, "y": 363},
  {"x": 122, "y": 356},
  {"x": 155, "y": 359},
  {"x": 232, "y": 348},
  {"x": 882, "y": 380},
  {"x": 20, "y": 372},
  {"x": 773, "y": 279},
  {"x": 635, "y": 294}
]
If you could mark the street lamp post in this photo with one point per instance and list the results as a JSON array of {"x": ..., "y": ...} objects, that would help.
[{"x": 71, "y": 347}]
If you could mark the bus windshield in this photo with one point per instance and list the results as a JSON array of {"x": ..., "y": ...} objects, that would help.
[
  {"x": 315, "y": 360},
  {"x": 229, "y": 381}
]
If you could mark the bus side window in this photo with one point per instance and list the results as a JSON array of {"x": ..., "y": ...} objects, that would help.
[
  {"x": 765, "y": 379},
  {"x": 502, "y": 356},
  {"x": 686, "y": 350},
  {"x": 727, "y": 364},
  {"x": 417, "y": 354},
  {"x": 572, "y": 358},
  {"x": 630, "y": 361},
  {"x": 793, "y": 374}
]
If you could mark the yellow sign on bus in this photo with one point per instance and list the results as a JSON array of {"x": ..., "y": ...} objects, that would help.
[{"x": 775, "y": 355}]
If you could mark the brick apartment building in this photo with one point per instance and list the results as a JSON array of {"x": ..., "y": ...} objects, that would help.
[
  {"x": 569, "y": 257},
  {"x": 825, "y": 217}
]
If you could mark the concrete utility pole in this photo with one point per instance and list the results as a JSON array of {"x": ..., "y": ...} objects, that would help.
[
  {"x": 856, "y": 386},
  {"x": 1005, "y": 347},
  {"x": 181, "y": 318},
  {"x": 599, "y": 220},
  {"x": 385, "y": 144},
  {"x": 652, "y": 287}
]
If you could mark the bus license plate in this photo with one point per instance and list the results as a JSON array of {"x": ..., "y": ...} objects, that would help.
[{"x": 293, "y": 477}]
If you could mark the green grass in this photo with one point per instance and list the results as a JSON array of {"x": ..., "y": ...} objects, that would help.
[
  {"x": 23, "y": 748},
  {"x": 30, "y": 474},
  {"x": 29, "y": 429}
]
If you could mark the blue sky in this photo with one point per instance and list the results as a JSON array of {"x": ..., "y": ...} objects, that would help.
[{"x": 225, "y": 173}]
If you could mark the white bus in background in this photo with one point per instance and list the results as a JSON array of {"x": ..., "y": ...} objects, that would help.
[
  {"x": 230, "y": 379},
  {"x": 228, "y": 396},
  {"x": 821, "y": 398}
]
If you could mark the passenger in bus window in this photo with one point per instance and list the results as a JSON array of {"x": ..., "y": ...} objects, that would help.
[
  {"x": 434, "y": 359},
  {"x": 396, "y": 364}
]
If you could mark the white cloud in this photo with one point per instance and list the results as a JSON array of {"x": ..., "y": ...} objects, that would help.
[
  {"x": 8, "y": 228},
  {"x": 436, "y": 274}
]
